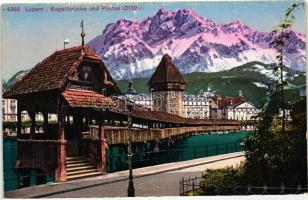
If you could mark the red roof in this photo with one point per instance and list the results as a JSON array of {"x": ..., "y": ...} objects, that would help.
[
  {"x": 225, "y": 101},
  {"x": 53, "y": 72},
  {"x": 166, "y": 72},
  {"x": 86, "y": 99}
]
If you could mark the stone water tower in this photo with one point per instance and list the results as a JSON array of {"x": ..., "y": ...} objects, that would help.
[{"x": 166, "y": 86}]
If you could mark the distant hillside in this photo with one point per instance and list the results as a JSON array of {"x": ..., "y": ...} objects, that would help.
[
  {"x": 252, "y": 78},
  {"x": 14, "y": 78}
]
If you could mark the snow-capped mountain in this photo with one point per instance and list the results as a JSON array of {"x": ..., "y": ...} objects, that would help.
[{"x": 134, "y": 48}]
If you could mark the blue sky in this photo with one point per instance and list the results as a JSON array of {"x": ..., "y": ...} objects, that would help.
[{"x": 29, "y": 37}]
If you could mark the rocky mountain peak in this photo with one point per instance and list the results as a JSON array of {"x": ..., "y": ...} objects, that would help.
[{"x": 134, "y": 48}]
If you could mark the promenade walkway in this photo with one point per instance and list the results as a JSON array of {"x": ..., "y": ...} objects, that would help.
[{"x": 159, "y": 180}]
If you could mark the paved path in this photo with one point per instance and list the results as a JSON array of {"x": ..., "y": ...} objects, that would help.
[{"x": 159, "y": 180}]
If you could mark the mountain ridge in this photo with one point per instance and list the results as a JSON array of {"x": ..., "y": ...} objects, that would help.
[
  {"x": 133, "y": 49},
  {"x": 253, "y": 78}
]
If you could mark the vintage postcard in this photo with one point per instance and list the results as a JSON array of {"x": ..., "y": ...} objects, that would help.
[{"x": 131, "y": 99}]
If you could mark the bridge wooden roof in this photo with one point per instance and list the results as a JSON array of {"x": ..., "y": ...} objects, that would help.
[
  {"x": 166, "y": 117},
  {"x": 86, "y": 99},
  {"x": 169, "y": 118},
  {"x": 145, "y": 113},
  {"x": 53, "y": 72}
]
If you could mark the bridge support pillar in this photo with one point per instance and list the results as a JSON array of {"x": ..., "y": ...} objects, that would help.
[
  {"x": 61, "y": 170},
  {"x": 111, "y": 159},
  {"x": 119, "y": 158},
  {"x": 156, "y": 144},
  {"x": 103, "y": 151},
  {"x": 24, "y": 178},
  {"x": 144, "y": 149},
  {"x": 40, "y": 177}
]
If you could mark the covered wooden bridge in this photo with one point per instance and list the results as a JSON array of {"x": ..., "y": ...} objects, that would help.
[
  {"x": 75, "y": 84},
  {"x": 154, "y": 125}
]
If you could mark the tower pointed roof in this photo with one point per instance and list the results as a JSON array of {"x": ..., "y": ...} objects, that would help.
[{"x": 166, "y": 72}]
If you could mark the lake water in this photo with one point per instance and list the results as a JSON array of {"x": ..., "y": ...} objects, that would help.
[{"x": 191, "y": 147}]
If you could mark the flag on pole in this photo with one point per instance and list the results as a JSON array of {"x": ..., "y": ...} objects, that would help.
[
  {"x": 81, "y": 24},
  {"x": 66, "y": 41}
]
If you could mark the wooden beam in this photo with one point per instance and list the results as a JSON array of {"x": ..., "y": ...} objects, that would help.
[
  {"x": 45, "y": 124},
  {"x": 61, "y": 118},
  {"x": 33, "y": 120},
  {"x": 18, "y": 119},
  {"x": 61, "y": 168},
  {"x": 103, "y": 144}
]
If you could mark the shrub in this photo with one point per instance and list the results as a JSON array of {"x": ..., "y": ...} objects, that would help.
[{"x": 221, "y": 181}]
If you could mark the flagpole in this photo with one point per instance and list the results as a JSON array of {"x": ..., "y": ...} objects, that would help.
[
  {"x": 66, "y": 41},
  {"x": 82, "y": 33}
]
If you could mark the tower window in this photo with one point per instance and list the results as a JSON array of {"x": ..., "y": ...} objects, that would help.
[{"x": 172, "y": 94}]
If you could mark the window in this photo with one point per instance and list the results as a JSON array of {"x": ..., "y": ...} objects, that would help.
[
  {"x": 89, "y": 72},
  {"x": 172, "y": 94},
  {"x": 13, "y": 110}
]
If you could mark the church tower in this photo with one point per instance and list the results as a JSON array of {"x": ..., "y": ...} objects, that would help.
[{"x": 167, "y": 86}]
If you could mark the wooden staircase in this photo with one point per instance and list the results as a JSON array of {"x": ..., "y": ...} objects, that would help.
[{"x": 79, "y": 167}]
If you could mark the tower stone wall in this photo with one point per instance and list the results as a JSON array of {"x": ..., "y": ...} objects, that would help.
[{"x": 169, "y": 101}]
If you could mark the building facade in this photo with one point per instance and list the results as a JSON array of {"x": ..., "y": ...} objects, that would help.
[
  {"x": 144, "y": 99},
  {"x": 232, "y": 108},
  {"x": 9, "y": 112},
  {"x": 244, "y": 111},
  {"x": 196, "y": 106}
]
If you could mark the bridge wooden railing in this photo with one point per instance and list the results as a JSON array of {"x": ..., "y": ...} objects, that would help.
[
  {"x": 42, "y": 154},
  {"x": 119, "y": 135},
  {"x": 90, "y": 145},
  {"x": 93, "y": 148}
]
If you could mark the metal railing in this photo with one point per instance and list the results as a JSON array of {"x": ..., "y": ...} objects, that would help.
[
  {"x": 173, "y": 154},
  {"x": 192, "y": 186}
]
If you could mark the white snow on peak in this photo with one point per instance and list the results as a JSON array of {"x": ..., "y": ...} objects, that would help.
[
  {"x": 197, "y": 44},
  {"x": 260, "y": 85}
]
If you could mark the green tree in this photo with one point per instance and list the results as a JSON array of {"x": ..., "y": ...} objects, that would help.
[
  {"x": 276, "y": 151},
  {"x": 278, "y": 145},
  {"x": 281, "y": 35}
]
